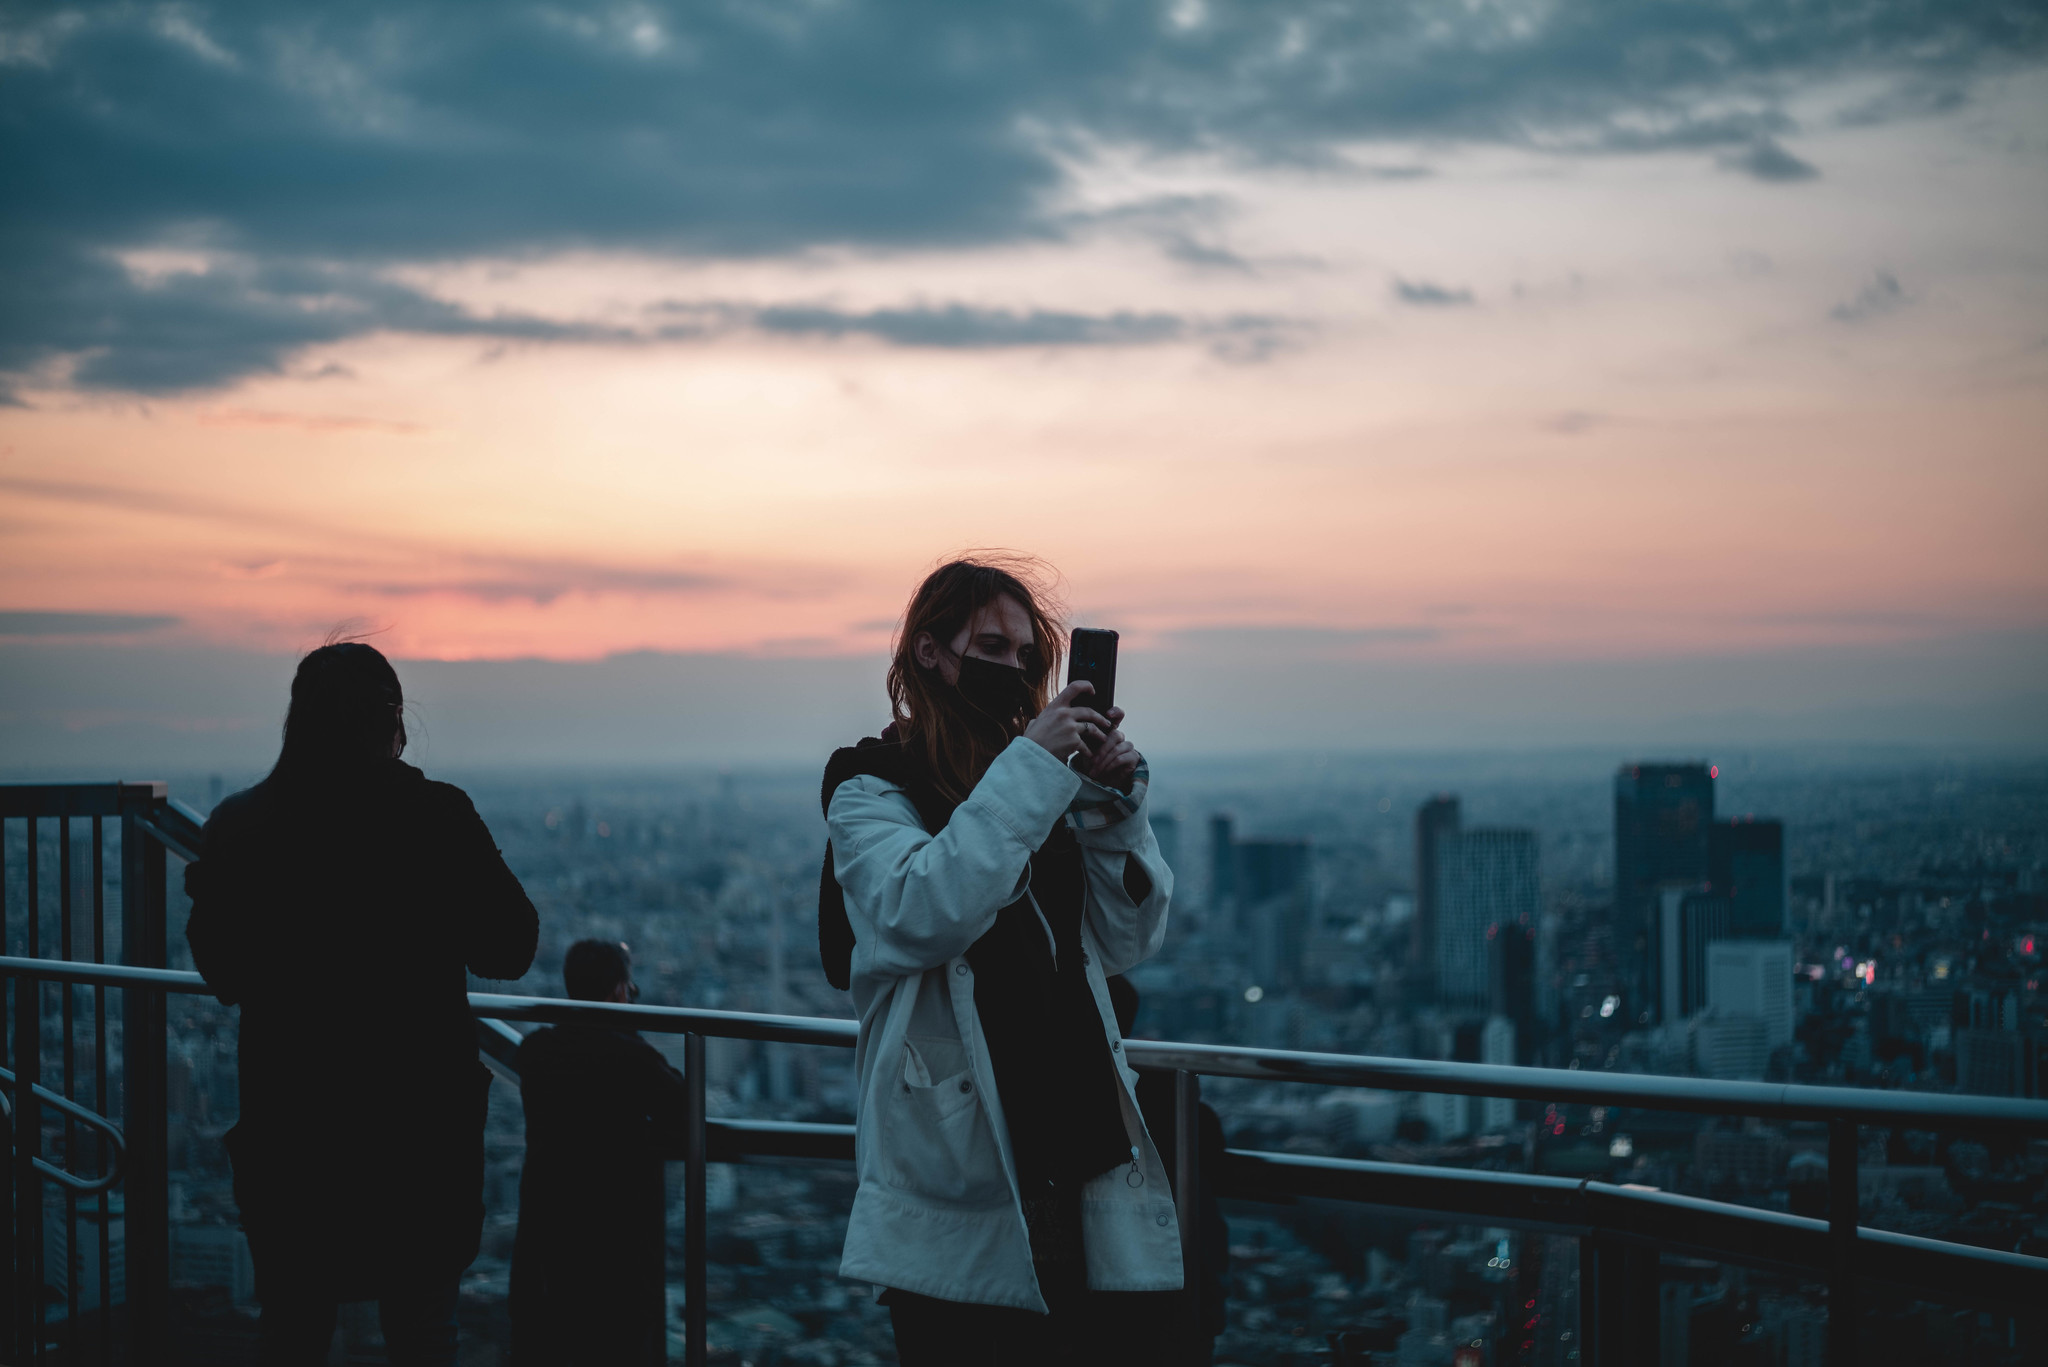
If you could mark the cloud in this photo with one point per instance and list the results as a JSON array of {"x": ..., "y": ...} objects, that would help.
[
  {"x": 411, "y": 568},
  {"x": 1882, "y": 295},
  {"x": 1423, "y": 294},
  {"x": 28, "y": 623},
  {"x": 306, "y": 148},
  {"x": 957, "y": 325},
  {"x": 542, "y": 583},
  {"x": 196, "y": 328},
  {"x": 1296, "y": 642},
  {"x": 1765, "y": 160}
]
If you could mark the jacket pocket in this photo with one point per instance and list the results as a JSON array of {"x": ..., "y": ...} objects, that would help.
[{"x": 935, "y": 1141}]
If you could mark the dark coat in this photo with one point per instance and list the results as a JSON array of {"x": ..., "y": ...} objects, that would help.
[
  {"x": 341, "y": 918},
  {"x": 603, "y": 1109}
]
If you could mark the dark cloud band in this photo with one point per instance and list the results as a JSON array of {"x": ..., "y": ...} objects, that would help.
[{"x": 318, "y": 143}]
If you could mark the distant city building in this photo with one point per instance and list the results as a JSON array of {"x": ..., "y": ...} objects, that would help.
[
  {"x": 59, "y": 1259},
  {"x": 1359, "y": 1116},
  {"x": 1730, "y": 1047},
  {"x": 1753, "y": 978},
  {"x": 1486, "y": 886},
  {"x": 1222, "y": 863},
  {"x": 1689, "y": 919},
  {"x": 1448, "y": 1115},
  {"x": 1496, "y": 1045},
  {"x": 215, "y": 1255},
  {"x": 1513, "y": 971},
  {"x": 1795, "y": 1332},
  {"x": 1993, "y": 1057},
  {"x": 1434, "y": 820},
  {"x": 1990, "y": 1062},
  {"x": 1662, "y": 817},
  {"x": 1166, "y": 830},
  {"x": 1746, "y": 865},
  {"x": 1266, "y": 900}
]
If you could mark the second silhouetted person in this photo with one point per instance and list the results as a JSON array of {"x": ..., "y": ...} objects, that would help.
[{"x": 603, "y": 1110}]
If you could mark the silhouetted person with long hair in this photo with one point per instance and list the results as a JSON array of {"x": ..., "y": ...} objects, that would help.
[
  {"x": 339, "y": 903},
  {"x": 990, "y": 861},
  {"x": 603, "y": 1110}
]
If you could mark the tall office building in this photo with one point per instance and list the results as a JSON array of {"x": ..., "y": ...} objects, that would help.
[
  {"x": 1491, "y": 1040},
  {"x": 1746, "y": 865},
  {"x": 1166, "y": 830},
  {"x": 1265, "y": 869},
  {"x": 1663, "y": 814},
  {"x": 1273, "y": 900},
  {"x": 1486, "y": 886},
  {"x": 1993, "y": 1056},
  {"x": 1222, "y": 864},
  {"x": 1753, "y": 978},
  {"x": 1496, "y": 1045},
  {"x": 1434, "y": 820},
  {"x": 1689, "y": 920},
  {"x": 1261, "y": 892},
  {"x": 1514, "y": 951}
]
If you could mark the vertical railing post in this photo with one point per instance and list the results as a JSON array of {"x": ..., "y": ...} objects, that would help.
[
  {"x": 144, "y": 874},
  {"x": 28, "y": 1128},
  {"x": 1618, "y": 1306},
  {"x": 1187, "y": 1176},
  {"x": 28, "y": 1184},
  {"x": 99, "y": 1083},
  {"x": 1589, "y": 1301},
  {"x": 9, "y": 1298},
  {"x": 696, "y": 1220},
  {"x": 1843, "y": 1200},
  {"x": 65, "y": 948}
]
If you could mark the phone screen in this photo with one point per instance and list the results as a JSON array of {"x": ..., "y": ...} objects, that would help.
[{"x": 1093, "y": 657}]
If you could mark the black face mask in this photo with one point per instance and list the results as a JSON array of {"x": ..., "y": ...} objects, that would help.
[{"x": 996, "y": 691}]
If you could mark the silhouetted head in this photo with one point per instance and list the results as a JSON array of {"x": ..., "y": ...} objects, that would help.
[
  {"x": 990, "y": 606},
  {"x": 599, "y": 971},
  {"x": 346, "y": 712}
]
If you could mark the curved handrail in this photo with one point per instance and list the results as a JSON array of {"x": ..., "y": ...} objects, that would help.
[
  {"x": 1739, "y": 1233},
  {"x": 84, "y": 1186},
  {"x": 1647, "y": 1091}
]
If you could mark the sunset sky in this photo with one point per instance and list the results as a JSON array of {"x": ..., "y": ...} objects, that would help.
[{"x": 1424, "y": 374}]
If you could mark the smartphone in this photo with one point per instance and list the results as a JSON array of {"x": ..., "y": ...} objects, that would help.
[{"x": 1092, "y": 656}]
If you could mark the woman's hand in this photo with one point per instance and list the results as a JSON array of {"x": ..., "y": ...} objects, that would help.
[
  {"x": 1114, "y": 761},
  {"x": 1068, "y": 724}
]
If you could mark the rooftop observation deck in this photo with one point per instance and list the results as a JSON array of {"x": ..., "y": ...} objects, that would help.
[{"x": 86, "y": 1075}]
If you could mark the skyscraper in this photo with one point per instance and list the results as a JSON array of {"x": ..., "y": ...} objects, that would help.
[
  {"x": 1486, "y": 885},
  {"x": 1496, "y": 1045},
  {"x": 1513, "y": 955},
  {"x": 1662, "y": 817},
  {"x": 1222, "y": 869},
  {"x": 1746, "y": 865},
  {"x": 1273, "y": 898},
  {"x": 1261, "y": 892},
  {"x": 1753, "y": 978},
  {"x": 1689, "y": 920},
  {"x": 1434, "y": 820}
]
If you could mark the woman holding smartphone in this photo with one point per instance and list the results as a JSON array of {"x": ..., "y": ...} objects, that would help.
[{"x": 990, "y": 865}]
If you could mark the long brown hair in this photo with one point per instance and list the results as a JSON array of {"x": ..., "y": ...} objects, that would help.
[{"x": 955, "y": 742}]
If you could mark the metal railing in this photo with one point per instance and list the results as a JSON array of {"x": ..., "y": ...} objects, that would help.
[
  {"x": 127, "y": 1124},
  {"x": 1621, "y": 1229}
]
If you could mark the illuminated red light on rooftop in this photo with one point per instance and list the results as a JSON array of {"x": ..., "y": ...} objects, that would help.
[{"x": 1714, "y": 772}]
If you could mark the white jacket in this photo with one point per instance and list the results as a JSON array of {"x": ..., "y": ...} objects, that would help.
[{"x": 937, "y": 1211}]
